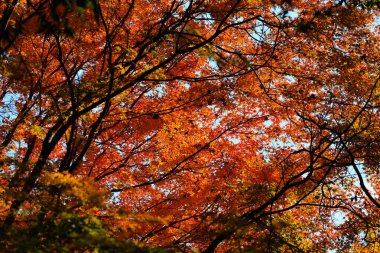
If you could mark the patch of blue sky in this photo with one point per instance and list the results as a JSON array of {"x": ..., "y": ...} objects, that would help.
[
  {"x": 237, "y": 19},
  {"x": 186, "y": 4},
  {"x": 338, "y": 218},
  {"x": 157, "y": 91},
  {"x": 198, "y": 73},
  {"x": 375, "y": 24},
  {"x": 283, "y": 123},
  {"x": 259, "y": 31},
  {"x": 364, "y": 176},
  {"x": 293, "y": 13},
  {"x": 185, "y": 84},
  {"x": 213, "y": 63},
  {"x": 97, "y": 109},
  {"x": 205, "y": 17},
  {"x": 290, "y": 78},
  {"x": 282, "y": 143},
  {"x": 115, "y": 198},
  {"x": 268, "y": 123},
  {"x": 216, "y": 123},
  {"x": 78, "y": 76},
  {"x": 234, "y": 140},
  {"x": 8, "y": 108},
  {"x": 278, "y": 11}
]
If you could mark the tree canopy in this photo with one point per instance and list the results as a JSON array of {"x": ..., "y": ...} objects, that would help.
[{"x": 189, "y": 125}]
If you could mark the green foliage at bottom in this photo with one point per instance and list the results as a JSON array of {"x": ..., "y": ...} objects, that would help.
[{"x": 68, "y": 233}]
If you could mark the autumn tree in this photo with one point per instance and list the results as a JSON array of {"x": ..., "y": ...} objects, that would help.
[{"x": 140, "y": 125}]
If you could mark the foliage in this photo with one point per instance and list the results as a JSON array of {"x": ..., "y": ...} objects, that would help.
[
  {"x": 189, "y": 125},
  {"x": 70, "y": 233}
]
